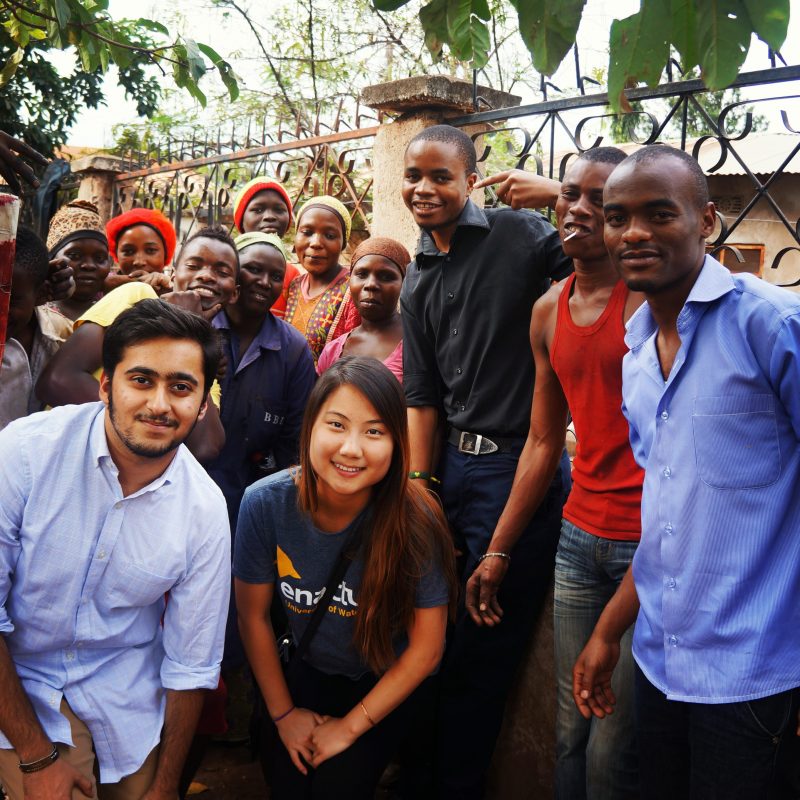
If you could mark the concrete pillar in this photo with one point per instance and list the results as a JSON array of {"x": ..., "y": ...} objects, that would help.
[
  {"x": 421, "y": 102},
  {"x": 524, "y": 760},
  {"x": 97, "y": 175}
]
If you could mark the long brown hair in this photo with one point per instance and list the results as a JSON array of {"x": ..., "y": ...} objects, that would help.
[{"x": 407, "y": 535}]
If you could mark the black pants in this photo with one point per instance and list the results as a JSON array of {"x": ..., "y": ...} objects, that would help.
[
  {"x": 480, "y": 662},
  {"x": 353, "y": 774}
]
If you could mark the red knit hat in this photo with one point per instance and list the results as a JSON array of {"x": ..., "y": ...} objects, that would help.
[
  {"x": 142, "y": 216},
  {"x": 252, "y": 188}
]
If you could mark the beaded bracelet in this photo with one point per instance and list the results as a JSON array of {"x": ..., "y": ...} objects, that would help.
[
  {"x": 506, "y": 556},
  {"x": 283, "y": 716},
  {"x": 39, "y": 764}
]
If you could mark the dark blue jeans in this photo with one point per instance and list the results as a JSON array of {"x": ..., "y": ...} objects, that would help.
[
  {"x": 480, "y": 662},
  {"x": 697, "y": 751}
]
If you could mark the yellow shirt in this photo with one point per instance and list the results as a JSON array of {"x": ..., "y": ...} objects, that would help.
[{"x": 111, "y": 305}]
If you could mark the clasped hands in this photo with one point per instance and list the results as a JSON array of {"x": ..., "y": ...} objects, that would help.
[{"x": 312, "y": 738}]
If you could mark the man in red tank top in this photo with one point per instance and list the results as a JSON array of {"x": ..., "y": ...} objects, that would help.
[{"x": 577, "y": 335}]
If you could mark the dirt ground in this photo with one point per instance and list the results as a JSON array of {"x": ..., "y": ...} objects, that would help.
[{"x": 230, "y": 775}]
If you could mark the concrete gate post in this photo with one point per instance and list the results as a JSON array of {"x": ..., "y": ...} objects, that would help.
[
  {"x": 97, "y": 174},
  {"x": 524, "y": 759}
]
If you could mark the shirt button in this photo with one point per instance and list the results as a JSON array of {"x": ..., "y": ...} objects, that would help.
[
  {"x": 70, "y": 655},
  {"x": 671, "y": 583},
  {"x": 673, "y": 640},
  {"x": 455, "y": 331},
  {"x": 668, "y": 529},
  {"x": 664, "y": 415},
  {"x": 667, "y": 472},
  {"x": 463, "y": 407},
  {"x": 102, "y": 554},
  {"x": 458, "y": 370},
  {"x": 450, "y": 296}
]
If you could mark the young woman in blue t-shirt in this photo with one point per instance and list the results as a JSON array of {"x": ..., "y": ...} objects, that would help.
[{"x": 382, "y": 635}]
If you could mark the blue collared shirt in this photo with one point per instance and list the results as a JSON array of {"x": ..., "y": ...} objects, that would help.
[
  {"x": 83, "y": 573},
  {"x": 718, "y": 568},
  {"x": 264, "y": 395}
]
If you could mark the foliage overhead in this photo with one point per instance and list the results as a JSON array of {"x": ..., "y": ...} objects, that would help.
[
  {"x": 712, "y": 35},
  {"x": 100, "y": 41}
]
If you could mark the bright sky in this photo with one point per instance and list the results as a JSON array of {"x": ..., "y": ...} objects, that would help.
[{"x": 94, "y": 127}]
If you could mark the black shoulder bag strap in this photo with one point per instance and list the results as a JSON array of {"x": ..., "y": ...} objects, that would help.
[{"x": 343, "y": 561}]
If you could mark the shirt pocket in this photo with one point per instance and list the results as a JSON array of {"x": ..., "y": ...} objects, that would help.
[
  {"x": 736, "y": 441},
  {"x": 131, "y": 585}
]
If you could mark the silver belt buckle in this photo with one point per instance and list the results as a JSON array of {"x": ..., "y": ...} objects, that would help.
[{"x": 470, "y": 443}]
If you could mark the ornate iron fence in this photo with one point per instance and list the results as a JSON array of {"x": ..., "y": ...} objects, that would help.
[
  {"x": 194, "y": 180},
  {"x": 544, "y": 137}
]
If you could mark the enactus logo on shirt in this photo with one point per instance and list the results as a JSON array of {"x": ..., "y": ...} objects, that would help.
[{"x": 303, "y": 601}]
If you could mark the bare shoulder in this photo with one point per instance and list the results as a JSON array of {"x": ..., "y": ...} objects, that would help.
[{"x": 543, "y": 316}]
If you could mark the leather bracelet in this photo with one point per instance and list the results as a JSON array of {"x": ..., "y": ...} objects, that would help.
[
  {"x": 417, "y": 474},
  {"x": 39, "y": 764},
  {"x": 506, "y": 556}
]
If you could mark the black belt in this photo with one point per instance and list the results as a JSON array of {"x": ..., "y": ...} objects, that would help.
[{"x": 475, "y": 444}]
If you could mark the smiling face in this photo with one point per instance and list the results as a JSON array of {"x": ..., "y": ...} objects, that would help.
[
  {"x": 90, "y": 264},
  {"x": 579, "y": 210},
  {"x": 319, "y": 240},
  {"x": 266, "y": 212},
  {"x": 140, "y": 248},
  {"x": 262, "y": 270},
  {"x": 350, "y": 449},
  {"x": 155, "y": 397},
  {"x": 654, "y": 231},
  {"x": 208, "y": 267},
  {"x": 375, "y": 284},
  {"x": 436, "y": 184}
]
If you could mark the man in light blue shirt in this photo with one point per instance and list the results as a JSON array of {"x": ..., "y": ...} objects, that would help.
[
  {"x": 103, "y": 512},
  {"x": 711, "y": 389}
]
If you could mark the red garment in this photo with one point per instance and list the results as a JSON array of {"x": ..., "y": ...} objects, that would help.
[
  {"x": 278, "y": 308},
  {"x": 606, "y": 481}
]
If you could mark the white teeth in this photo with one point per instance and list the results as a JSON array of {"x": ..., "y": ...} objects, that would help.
[
  {"x": 346, "y": 469},
  {"x": 203, "y": 292}
]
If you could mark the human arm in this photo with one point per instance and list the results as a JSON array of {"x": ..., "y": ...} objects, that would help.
[
  {"x": 180, "y": 723},
  {"x": 19, "y": 723},
  {"x": 535, "y": 470},
  {"x": 18, "y": 719},
  {"x": 253, "y": 602},
  {"x": 69, "y": 375},
  {"x": 12, "y": 167},
  {"x": 423, "y": 428},
  {"x": 300, "y": 381},
  {"x": 519, "y": 188},
  {"x": 591, "y": 675},
  {"x": 417, "y": 662}
]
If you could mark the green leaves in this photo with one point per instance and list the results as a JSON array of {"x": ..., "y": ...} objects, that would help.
[
  {"x": 770, "y": 20},
  {"x": 723, "y": 37},
  {"x": 468, "y": 35},
  {"x": 548, "y": 29},
  {"x": 100, "y": 41},
  {"x": 639, "y": 48}
]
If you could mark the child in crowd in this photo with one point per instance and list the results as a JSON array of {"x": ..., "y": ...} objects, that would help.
[
  {"x": 349, "y": 510},
  {"x": 264, "y": 206},
  {"x": 318, "y": 303},
  {"x": 377, "y": 269},
  {"x": 34, "y": 332},
  {"x": 205, "y": 280},
  {"x": 77, "y": 236},
  {"x": 142, "y": 242}
]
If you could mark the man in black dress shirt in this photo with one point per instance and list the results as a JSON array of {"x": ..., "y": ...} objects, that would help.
[{"x": 466, "y": 308}]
